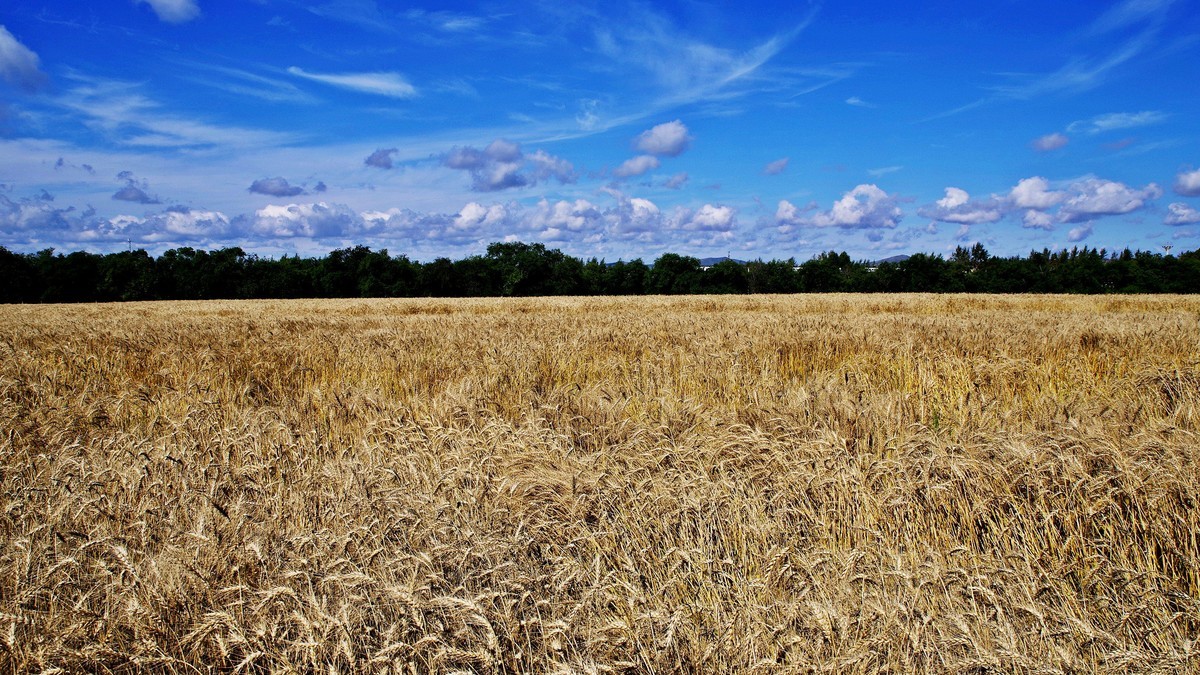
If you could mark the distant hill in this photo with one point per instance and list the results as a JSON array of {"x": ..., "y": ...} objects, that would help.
[
  {"x": 893, "y": 259},
  {"x": 709, "y": 262}
]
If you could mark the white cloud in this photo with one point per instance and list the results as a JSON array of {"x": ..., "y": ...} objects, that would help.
[
  {"x": 776, "y": 167},
  {"x": 1116, "y": 121},
  {"x": 548, "y": 166},
  {"x": 176, "y": 224},
  {"x": 500, "y": 166},
  {"x": 708, "y": 218},
  {"x": 1037, "y": 220},
  {"x": 883, "y": 171},
  {"x": 190, "y": 223},
  {"x": 668, "y": 139},
  {"x": 1035, "y": 193},
  {"x": 636, "y": 166},
  {"x": 686, "y": 70},
  {"x": 174, "y": 11},
  {"x": 383, "y": 84},
  {"x": 1095, "y": 197},
  {"x": 1079, "y": 233},
  {"x": 957, "y": 207},
  {"x": 565, "y": 216},
  {"x": 19, "y": 65},
  {"x": 1050, "y": 142},
  {"x": 304, "y": 220},
  {"x": 35, "y": 214},
  {"x": 127, "y": 116},
  {"x": 788, "y": 216},
  {"x": 858, "y": 102},
  {"x": 475, "y": 216},
  {"x": 633, "y": 218},
  {"x": 1187, "y": 183},
  {"x": 1179, "y": 213},
  {"x": 864, "y": 207}
]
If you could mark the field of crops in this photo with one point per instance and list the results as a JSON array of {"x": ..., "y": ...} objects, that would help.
[{"x": 779, "y": 484}]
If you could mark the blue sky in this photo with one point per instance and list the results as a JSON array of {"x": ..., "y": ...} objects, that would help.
[{"x": 611, "y": 129}]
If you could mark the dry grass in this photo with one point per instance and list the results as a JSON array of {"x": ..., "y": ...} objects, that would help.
[{"x": 779, "y": 484}]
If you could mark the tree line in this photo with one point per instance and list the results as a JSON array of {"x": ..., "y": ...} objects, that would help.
[{"x": 520, "y": 269}]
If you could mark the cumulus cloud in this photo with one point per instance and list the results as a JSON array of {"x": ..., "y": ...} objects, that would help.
[
  {"x": 34, "y": 214},
  {"x": 547, "y": 166},
  {"x": 319, "y": 219},
  {"x": 788, "y": 215},
  {"x": 1179, "y": 213},
  {"x": 557, "y": 221},
  {"x": 132, "y": 193},
  {"x": 388, "y": 84},
  {"x": 864, "y": 207},
  {"x": 475, "y": 216},
  {"x": 957, "y": 207},
  {"x": 276, "y": 187},
  {"x": 173, "y": 11},
  {"x": 1116, "y": 121},
  {"x": 381, "y": 158},
  {"x": 1187, "y": 183},
  {"x": 1050, "y": 142},
  {"x": 1094, "y": 197},
  {"x": 1035, "y": 193},
  {"x": 181, "y": 221},
  {"x": 1080, "y": 233},
  {"x": 708, "y": 218},
  {"x": 776, "y": 167},
  {"x": 502, "y": 165},
  {"x": 636, "y": 166},
  {"x": 633, "y": 218},
  {"x": 19, "y": 65},
  {"x": 1037, "y": 220},
  {"x": 669, "y": 139},
  {"x": 173, "y": 224},
  {"x": 134, "y": 190}
]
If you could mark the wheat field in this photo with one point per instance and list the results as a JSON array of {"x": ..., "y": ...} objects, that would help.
[{"x": 851, "y": 484}]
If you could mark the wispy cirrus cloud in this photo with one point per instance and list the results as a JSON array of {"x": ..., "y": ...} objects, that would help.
[
  {"x": 173, "y": 11},
  {"x": 245, "y": 83},
  {"x": 776, "y": 167},
  {"x": 125, "y": 115},
  {"x": 1141, "y": 20},
  {"x": 1117, "y": 121},
  {"x": 388, "y": 84}
]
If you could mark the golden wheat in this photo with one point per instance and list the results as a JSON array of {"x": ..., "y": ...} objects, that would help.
[{"x": 776, "y": 484}]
